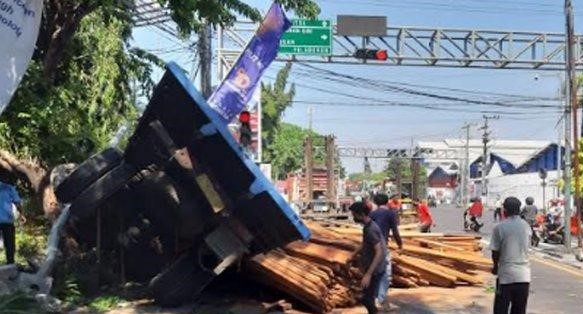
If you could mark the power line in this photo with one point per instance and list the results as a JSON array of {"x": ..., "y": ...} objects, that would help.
[
  {"x": 457, "y": 90},
  {"x": 380, "y": 85}
]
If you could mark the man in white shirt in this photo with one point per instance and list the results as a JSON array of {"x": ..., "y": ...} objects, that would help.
[{"x": 510, "y": 243}]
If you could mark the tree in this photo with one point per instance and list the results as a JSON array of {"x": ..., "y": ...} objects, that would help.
[
  {"x": 399, "y": 170},
  {"x": 288, "y": 146},
  {"x": 62, "y": 19},
  {"x": 77, "y": 114},
  {"x": 288, "y": 150},
  {"x": 275, "y": 100}
]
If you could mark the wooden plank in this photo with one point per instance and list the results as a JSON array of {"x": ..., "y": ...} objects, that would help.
[{"x": 325, "y": 254}]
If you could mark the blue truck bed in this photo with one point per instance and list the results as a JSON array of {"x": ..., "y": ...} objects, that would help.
[{"x": 191, "y": 123}]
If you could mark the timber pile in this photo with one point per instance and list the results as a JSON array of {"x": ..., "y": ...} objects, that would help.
[{"x": 318, "y": 273}]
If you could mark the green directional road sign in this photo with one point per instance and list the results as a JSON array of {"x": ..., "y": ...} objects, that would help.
[{"x": 307, "y": 37}]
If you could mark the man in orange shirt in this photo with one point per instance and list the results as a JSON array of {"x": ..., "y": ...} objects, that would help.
[
  {"x": 395, "y": 203},
  {"x": 476, "y": 210},
  {"x": 425, "y": 217}
]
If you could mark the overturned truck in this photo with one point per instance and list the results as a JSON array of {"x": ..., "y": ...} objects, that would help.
[{"x": 184, "y": 183}]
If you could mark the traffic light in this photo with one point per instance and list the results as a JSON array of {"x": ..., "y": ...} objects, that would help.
[
  {"x": 245, "y": 130},
  {"x": 371, "y": 54}
]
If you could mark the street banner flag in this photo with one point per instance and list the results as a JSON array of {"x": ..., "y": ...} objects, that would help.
[
  {"x": 19, "y": 25},
  {"x": 238, "y": 86}
]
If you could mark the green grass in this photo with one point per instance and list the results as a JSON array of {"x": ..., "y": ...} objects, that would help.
[
  {"x": 490, "y": 289},
  {"x": 104, "y": 303},
  {"x": 31, "y": 241}
]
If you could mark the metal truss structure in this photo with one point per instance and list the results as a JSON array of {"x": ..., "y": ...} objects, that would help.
[
  {"x": 416, "y": 153},
  {"x": 440, "y": 47}
]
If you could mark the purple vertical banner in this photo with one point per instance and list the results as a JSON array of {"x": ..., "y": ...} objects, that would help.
[{"x": 237, "y": 88}]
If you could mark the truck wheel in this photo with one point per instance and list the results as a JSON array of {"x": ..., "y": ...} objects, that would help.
[
  {"x": 85, "y": 204},
  {"x": 87, "y": 173},
  {"x": 180, "y": 282}
]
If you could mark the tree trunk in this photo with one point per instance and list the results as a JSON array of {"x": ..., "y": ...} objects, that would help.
[
  {"x": 65, "y": 21},
  {"x": 36, "y": 177}
]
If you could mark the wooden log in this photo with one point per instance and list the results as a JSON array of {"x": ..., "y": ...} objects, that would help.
[
  {"x": 404, "y": 282},
  {"x": 458, "y": 256},
  {"x": 438, "y": 245},
  {"x": 341, "y": 244},
  {"x": 460, "y": 276},
  {"x": 433, "y": 276},
  {"x": 321, "y": 253},
  {"x": 276, "y": 280}
]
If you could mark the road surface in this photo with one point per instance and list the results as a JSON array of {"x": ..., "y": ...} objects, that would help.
[{"x": 556, "y": 288}]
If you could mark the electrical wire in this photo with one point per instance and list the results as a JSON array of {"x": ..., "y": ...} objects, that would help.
[{"x": 379, "y": 85}]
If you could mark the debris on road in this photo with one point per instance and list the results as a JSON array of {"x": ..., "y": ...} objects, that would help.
[{"x": 320, "y": 275}]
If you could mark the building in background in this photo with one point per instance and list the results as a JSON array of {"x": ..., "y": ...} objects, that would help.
[{"x": 513, "y": 168}]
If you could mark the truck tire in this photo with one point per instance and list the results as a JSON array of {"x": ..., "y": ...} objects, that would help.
[
  {"x": 92, "y": 197},
  {"x": 180, "y": 282},
  {"x": 86, "y": 173}
]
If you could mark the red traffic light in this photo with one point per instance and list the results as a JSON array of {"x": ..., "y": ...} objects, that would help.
[
  {"x": 245, "y": 116},
  {"x": 381, "y": 55},
  {"x": 371, "y": 54}
]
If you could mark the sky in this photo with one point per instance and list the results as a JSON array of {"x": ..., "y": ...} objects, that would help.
[{"x": 397, "y": 127}]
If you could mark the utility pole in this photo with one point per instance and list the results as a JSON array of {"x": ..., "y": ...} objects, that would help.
[
  {"x": 415, "y": 177},
  {"x": 330, "y": 166},
  {"x": 485, "y": 156},
  {"x": 573, "y": 107},
  {"x": 309, "y": 155},
  {"x": 465, "y": 167},
  {"x": 414, "y": 172},
  {"x": 205, "y": 59}
]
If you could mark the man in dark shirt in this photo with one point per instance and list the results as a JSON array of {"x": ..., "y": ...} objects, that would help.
[
  {"x": 386, "y": 219},
  {"x": 372, "y": 255}
]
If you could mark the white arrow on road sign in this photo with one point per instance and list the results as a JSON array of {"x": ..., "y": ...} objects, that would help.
[
  {"x": 324, "y": 37},
  {"x": 324, "y": 23}
]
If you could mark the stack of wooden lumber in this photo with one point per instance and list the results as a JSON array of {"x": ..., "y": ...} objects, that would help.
[{"x": 319, "y": 273}]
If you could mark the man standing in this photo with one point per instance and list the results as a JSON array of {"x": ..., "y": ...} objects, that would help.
[
  {"x": 498, "y": 210},
  {"x": 372, "y": 255},
  {"x": 395, "y": 203},
  {"x": 8, "y": 198},
  {"x": 425, "y": 217},
  {"x": 528, "y": 213},
  {"x": 509, "y": 245},
  {"x": 386, "y": 219}
]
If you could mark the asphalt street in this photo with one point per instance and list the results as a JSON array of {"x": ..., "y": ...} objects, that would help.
[{"x": 555, "y": 288}]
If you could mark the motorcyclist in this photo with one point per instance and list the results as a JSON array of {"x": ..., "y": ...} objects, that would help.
[
  {"x": 475, "y": 211},
  {"x": 528, "y": 213}
]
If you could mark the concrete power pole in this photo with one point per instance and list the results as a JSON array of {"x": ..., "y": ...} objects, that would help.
[
  {"x": 465, "y": 168},
  {"x": 330, "y": 169},
  {"x": 205, "y": 59},
  {"x": 309, "y": 160},
  {"x": 571, "y": 123},
  {"x": 485, "y": 156}
]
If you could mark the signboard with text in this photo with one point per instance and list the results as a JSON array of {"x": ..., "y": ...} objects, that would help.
[{"x": 307, "y": 37}]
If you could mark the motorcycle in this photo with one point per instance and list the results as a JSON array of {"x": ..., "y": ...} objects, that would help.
[
  {"x": 472, "y": 224},
  {"x": 553, "y": 229}
]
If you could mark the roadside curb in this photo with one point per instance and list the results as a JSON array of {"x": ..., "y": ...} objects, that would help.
[{"x": 558, "y": 259}]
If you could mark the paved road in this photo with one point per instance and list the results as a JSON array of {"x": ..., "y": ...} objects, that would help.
[{"x": 555, "y": 288}]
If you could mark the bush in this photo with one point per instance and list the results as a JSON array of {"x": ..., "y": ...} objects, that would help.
[
  {"x": 31, "y": 242},
  {"x": 19, "y": 303},
  {"x": 104, "y": 303}
]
